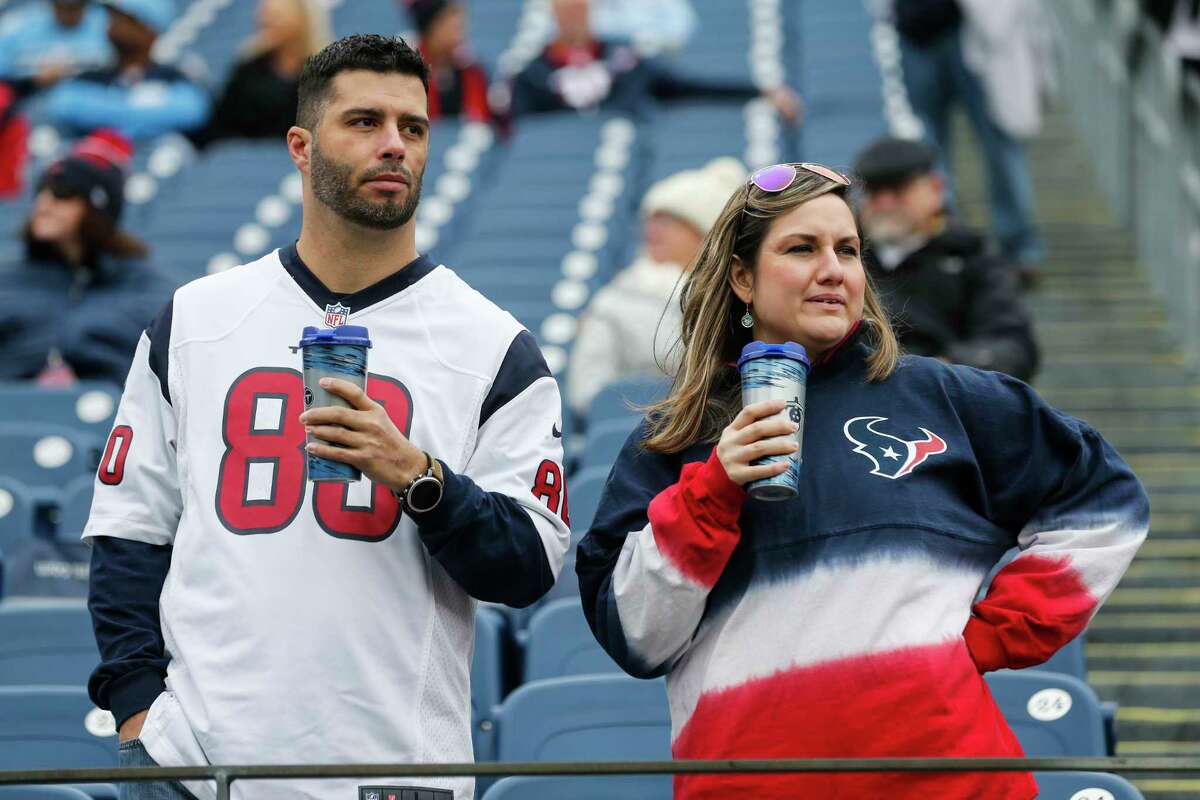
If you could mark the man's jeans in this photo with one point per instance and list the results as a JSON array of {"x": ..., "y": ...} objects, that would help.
[
  {"x": 132, "y": 754},
  {"x": 935, "y": 77}
]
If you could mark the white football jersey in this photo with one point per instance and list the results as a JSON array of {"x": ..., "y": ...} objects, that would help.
[{"x": 314, "y": 623}]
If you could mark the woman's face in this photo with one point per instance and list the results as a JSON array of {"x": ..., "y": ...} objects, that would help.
[
  {"x": 448, "y": 31},
  {"x": 56, "y": 220},
  {"x": 280, "y": 22},
  {"x": 809, "y": 283}
]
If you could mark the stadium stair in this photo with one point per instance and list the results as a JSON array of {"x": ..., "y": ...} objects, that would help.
[{"x": 1108, "y": 358}]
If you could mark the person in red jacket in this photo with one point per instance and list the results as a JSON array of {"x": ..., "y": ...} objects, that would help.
[{"x": 458, "y": 84}]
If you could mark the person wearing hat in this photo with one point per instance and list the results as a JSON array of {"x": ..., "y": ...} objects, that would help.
[
  {"x": 951, "y": 295},
  {"x": 458, "y": 84},
  {"x": 259, "y": 99},
  {"x": 632, "y": 324},
  {"x": 76, "y": 304},
  {"x": 137, "y": 96}
]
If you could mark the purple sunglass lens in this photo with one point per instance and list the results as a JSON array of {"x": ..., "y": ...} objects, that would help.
[{"x": 774, "y": 179}]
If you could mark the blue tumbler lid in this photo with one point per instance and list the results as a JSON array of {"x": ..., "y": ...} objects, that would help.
[
  {"x": 791, "y": 350},
  {"x": 342, "y": 334}
]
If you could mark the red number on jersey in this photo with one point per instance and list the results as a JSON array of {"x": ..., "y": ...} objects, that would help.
[
  {"x": 112, "y": 465},
  {"x": 263, "y": 435},
  {"x": 550, "y": 487},
  {"x": 331, "y": 499},
  {"x": 264, "y": 452}
]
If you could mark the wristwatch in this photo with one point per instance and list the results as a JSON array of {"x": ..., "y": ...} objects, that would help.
[{"x": 425, "y": 491}]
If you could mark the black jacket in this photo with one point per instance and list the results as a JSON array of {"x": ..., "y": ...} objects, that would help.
[
  {"x": 256, "y": 103},
  {"x": 955, "y": 299}
]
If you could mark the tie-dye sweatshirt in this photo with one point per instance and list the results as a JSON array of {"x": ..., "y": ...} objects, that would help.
[{"x": 843, "y": 622}]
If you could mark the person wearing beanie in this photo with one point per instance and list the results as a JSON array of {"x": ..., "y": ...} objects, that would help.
[
  {"x": 631, "y": 325},
  {"x": 259, "y": 99},
  {"x": 951, "y": 295},
  {"x": 75, "y": 305},
  {"x": 458, "y": 84},
  {"x": 137, "y": 96}
]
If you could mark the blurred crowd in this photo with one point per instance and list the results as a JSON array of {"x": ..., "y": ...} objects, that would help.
[{"x": 77, "y": 300}]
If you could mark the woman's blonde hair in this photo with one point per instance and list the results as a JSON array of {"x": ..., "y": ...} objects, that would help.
[
  {"x": 318, "y": 31},
  {"x": 703, "y": 400}
]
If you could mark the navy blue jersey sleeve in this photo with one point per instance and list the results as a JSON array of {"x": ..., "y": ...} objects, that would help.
[
  {"x": 125, "y": 584},
  {"x": 501, "y": 528}
]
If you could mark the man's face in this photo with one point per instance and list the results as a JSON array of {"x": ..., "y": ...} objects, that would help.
[
  {"x": 895, "y": 213},
  {"x": 68, "y": 13},
  {"x": 573, "y": 18},
  {"x": 369, "y": 150},
  {"x": 127, "y": 34}
]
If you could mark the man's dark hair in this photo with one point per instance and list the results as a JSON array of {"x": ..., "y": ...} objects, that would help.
[{"x": 360, "y": 51}]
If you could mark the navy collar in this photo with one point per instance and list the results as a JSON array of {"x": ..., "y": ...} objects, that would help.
[{"x": 377, "y": 292}]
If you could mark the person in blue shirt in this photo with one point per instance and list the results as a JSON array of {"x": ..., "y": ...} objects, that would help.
[
  {"x": 75, "y": 305},
  {"x": 42, "y": 43},
  {"x": 137, "y": 96}
]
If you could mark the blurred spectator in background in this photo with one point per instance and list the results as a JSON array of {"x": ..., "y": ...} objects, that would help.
[
  {"x": 42, "y": 43},
  {"x": 458, "y": 84},
  {"x": 993, "y": 57},
  {"x": 75, "y": 306},
  {"x": 259, "y": 99},
  {"x": 654, "y": 26},
  {"x": 580, "y": 71},
  {"x": 949, "y": 296},
  {"x": 632, "y": 324},
  {"x": 1179, "y": 22},
  {"x": 137, "y": 96}
]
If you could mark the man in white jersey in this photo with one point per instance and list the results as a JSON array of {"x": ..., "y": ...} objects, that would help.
[{"x": 247, "y": 616}]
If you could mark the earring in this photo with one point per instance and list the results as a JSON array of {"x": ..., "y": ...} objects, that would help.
[{"x": 747, "y": 318}]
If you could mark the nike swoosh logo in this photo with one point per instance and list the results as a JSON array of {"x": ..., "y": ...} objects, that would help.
[{"x": 555, "y": 432}]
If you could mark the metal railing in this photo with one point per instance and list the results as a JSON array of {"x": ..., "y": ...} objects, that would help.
[
  {"x": 1138, "y": 113},
  {"x": 225, "y": 776}
]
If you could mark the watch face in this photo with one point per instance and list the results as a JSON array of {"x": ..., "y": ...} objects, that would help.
[{"x": 424, "y": 494}]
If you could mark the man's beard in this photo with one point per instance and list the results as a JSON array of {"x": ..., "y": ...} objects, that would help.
[
  {"x": 888, "y": 228},
  {"x": 334, "y": 185}
]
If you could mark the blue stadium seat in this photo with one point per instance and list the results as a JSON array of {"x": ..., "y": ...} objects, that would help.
[
  {"x": 42, "y": 793},
  {"x": 1051, "y": 714},
  {"x": 1084, "y": 786},
  {"x": 584, "y": 491},
  {"x": 87, "y": 407},
  {"x": 46, "y": 642},
  {"x": 17, "y": 509},
  {"x": 54, "y": 727},
  {"x": 561, "y": 644},
  {"x": 604, "y": 442},
  {"x": 637, "y": 787},
  {"x": 586, "y": 718},
  {"x": 41, "y": 455},
  {"x": 74, "y": 507},
  {"x": 1071, "y": 660},
  {"x": 487, "y": 680},
  {"x": 614, "y": 401}
]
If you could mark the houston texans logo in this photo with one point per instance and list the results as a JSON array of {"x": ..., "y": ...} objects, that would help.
[{"x": 891, "y": 456}]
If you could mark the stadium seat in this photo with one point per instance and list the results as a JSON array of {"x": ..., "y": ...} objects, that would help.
[
  {"x": 86, "y": 407},
  {"x": 584, "y": 490},
  {"x": 46, "y": 642},
  {"x": 614, "y": 400},
  {"x": 487, "y": 680},
  {"x": 637, "y": 787},
  {"x": 74, "y": 507},
  {"x": 17, "y": 509},
  {"x": 54, "y": 727},
  {"x": 605, "y": 441},
  {"x": 561, "y": 644},
  {"x": 588, "y": 718},
  {"x": 1084, "y": 786},
  {"x": 42, "y": 793},
  {"x": 42, "y": 455},
  {"x": 1051, "y": 714},
  {"x": 1071, "y": 660}
]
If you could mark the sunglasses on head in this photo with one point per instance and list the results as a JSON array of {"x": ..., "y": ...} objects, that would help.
[{"x": 778, "y": 177}]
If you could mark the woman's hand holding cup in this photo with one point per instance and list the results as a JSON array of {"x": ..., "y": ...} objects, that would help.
[{"x": 757, "y": 431}]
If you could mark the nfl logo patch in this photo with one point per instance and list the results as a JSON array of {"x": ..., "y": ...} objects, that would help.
[{"x": 336, "y": 314}]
